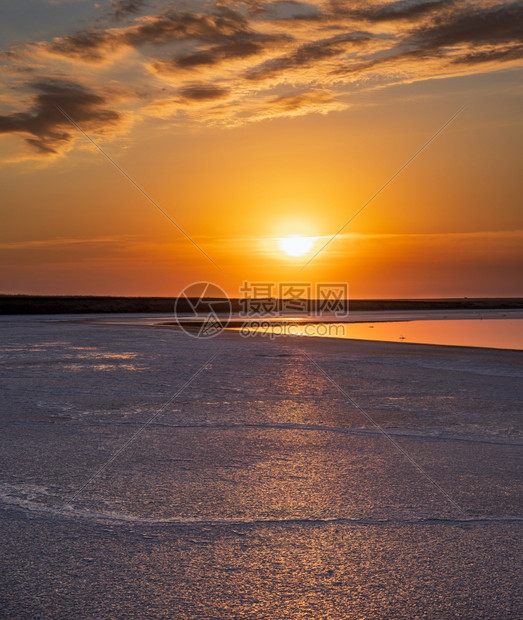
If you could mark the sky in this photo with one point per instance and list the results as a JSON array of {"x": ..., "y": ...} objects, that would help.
[{"x": 147, "y": 145}]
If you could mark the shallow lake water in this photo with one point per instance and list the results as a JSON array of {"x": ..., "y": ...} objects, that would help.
[{"x": 505, "y": 333}]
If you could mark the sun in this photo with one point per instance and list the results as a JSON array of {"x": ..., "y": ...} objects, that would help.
[{"x": 296, "y": 245}]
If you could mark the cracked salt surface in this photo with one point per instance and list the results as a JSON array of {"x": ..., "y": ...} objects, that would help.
[{"x": 257, "y": 480}]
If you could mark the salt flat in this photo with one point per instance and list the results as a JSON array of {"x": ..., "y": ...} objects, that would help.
[{"x": 263, "y": 489}]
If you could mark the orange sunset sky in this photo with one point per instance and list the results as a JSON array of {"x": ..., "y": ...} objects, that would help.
[{"x": 250, "y": 121}]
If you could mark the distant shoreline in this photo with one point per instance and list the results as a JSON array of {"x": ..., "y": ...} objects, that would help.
[{"x": 78, "y": 304}]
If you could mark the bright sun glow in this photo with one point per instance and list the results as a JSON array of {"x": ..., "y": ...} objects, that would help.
[{"x": 296, "y": 245}]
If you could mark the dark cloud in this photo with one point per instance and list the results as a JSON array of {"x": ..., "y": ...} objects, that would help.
[
  {"x": 203, "y": 92},
  {"x": 238, "y": 46},
  {"x": 289, "y": 9},
  {"x": 226, "y": 34},
  {"x": 308, "y": 55},
  {"x": 179, "y": 26},
  {"x": 46, "y": 125},
  {"x": 397, "y": 10},
  {"x": 499, "y": 27},
  {"x": 90, "y": 45},
  {"x": 357, "y": 11},
  {"x": 511, "y": 53},
  {"x": 93, "y": 45},
  {"x": 242, "y": 47},
  {"x": 123, "y": 8},
  {"x": 499, "y": 24}
]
